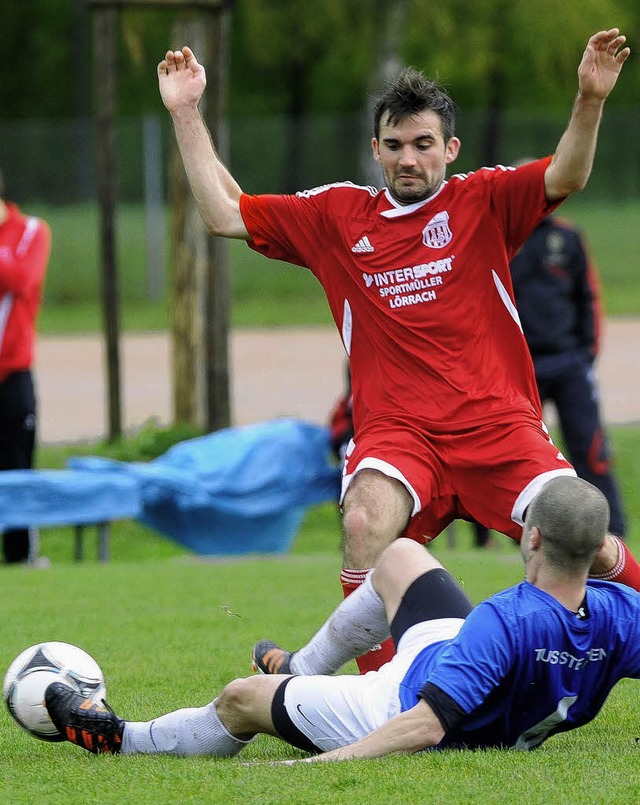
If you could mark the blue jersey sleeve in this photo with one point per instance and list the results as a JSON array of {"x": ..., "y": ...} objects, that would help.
[{"x": 478, "y": 659}]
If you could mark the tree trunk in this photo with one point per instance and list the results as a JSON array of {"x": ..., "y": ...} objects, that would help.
[{"x": 199, "y": 265}]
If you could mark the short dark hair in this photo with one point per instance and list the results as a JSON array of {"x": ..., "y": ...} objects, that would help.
[
  {"x": 410, "y": 93},
  {"x": 573, "y": 518}
]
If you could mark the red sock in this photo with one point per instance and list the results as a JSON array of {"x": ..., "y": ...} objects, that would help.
[
  {"x": 625, "y": 571},
  {"x": 383, "y": 652}
]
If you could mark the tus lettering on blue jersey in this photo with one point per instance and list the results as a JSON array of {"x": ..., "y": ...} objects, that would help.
[{"x": 565, "y": 658}]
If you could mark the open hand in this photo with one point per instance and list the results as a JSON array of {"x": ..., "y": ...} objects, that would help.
[
  {"x": 601, "y": 63},
  {"x": 181, "y": 79}
]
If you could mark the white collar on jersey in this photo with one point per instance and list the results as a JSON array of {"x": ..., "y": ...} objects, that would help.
[{"x": 405, "y": 209}]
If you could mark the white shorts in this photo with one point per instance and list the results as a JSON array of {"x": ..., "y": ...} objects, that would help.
[{"x": 334, "y": 711}]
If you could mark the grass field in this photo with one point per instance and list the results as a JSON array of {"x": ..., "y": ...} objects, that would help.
[
  {"x": 170, "y": 629},
  {"x": 266, "y": 293},
  {"x": 170, "y": 632}
]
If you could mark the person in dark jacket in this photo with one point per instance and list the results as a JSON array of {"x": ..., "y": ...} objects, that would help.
[{"x": 557, "y": 295}]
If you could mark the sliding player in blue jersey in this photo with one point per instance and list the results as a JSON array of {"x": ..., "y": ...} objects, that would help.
[{"x": 537, "y": 659}]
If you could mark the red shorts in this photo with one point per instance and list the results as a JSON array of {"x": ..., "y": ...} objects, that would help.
[{"x": 489, "y": 473}]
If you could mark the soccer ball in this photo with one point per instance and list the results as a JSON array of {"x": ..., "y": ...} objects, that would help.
[{"x": 34, "y": 670}]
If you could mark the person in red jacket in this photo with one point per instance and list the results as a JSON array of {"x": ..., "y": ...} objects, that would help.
[{"x": 25, "y": 245}]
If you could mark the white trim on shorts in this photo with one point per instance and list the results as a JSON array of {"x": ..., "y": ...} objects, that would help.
[
  {"x": 532, "y": 489},
  {"x": 334, "y": 711},
  {"x": 371, "y": 463}
]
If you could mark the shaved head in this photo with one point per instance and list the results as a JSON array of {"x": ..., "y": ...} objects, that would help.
[{"x": 573, "y": 518}]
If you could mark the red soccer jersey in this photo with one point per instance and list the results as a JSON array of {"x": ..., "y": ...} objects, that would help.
[
  {"x": 421, "y": 294},
  {"x": 25, "y": 243}
]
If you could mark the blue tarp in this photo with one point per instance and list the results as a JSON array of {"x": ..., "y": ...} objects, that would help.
[
  {"x": 32, "y": 498},
  {"x": 236, "y": 491}
]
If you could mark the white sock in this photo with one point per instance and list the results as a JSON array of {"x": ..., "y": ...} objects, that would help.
[
  {"x": 194, "y": 731},
  {"x": 356, "y": 626}
]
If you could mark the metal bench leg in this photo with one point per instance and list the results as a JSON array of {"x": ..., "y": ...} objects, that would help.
[
  {"x": 34, "y": 545},
  {"x": 450, "y": 531},
  {"x": 103, "y": 541},
  {"x": 79, "y": 547}
]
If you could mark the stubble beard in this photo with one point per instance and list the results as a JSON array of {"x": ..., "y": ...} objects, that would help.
[{"x": 415, "y": 194}]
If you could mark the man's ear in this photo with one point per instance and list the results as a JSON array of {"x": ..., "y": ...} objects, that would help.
[
  {"x": 535, "y": 538},
  {"x": 376, "y": 149},
  {"x": 452, "y": 150}
]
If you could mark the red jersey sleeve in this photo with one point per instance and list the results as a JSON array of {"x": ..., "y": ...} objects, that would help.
[
  {"x": 284, "y": 227},
  {"x": 518, "y": 196},
  {"x": 23, "y": 265}
]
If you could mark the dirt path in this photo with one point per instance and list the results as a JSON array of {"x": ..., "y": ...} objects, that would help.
[
  {"x": 296, "y": 372},
  {"x": 292, "y": 371}
]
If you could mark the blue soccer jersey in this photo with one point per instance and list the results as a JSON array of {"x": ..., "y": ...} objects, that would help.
[{"x": 523, "y": 667}]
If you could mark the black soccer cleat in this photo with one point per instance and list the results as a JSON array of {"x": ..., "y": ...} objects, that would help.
[
  {"x": 269, "y": 658},
  {"x": 91, "y": 726}
]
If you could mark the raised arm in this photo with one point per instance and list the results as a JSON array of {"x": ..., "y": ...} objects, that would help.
[
  {"x": 182, "y": 81},
  {"x": 598, "y": 72}
]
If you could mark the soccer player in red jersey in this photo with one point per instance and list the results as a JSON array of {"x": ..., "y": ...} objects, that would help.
[
  {"x": 446, "y": 411},
  {"x": 25, "y": 246}
]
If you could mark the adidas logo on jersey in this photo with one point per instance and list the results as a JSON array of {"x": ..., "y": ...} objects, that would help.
[{"x": 362, "y": 246}]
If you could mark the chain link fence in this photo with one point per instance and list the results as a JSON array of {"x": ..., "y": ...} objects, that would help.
[{"x": 53, "y": 161}]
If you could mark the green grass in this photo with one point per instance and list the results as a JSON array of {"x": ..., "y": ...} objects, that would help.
[
  {"x": 170, "y": 632},
  {"x": 264, "y": 292},
  {"x": 170, "y": 628}
]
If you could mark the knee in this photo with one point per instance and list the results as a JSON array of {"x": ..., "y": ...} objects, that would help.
[
  {"x": 400, "y": 557},
  {"x": 402, "y": 551},
  {"x": 356, "y": 522},
  {"x": 235, "y": 700},
  {"x": 364, "y": 539},
  {"x": 375, "y": 511}
]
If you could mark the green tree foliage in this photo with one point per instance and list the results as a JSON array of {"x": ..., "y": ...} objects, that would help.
[
  {"x": 318, "y": 54},
  {"x": 144, "y": 37},
  {"x": 293, "y": 61},
  {"x": 36, "y": 42},
  {"x": 516, "y": 52},
  {"x": 47, "y": 48},
  {"x": 325, "y": 46}
]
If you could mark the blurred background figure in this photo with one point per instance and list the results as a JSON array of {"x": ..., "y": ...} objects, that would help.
[
  {"x": 25, "y": 245},
  {"x": 557, "y": 294},
  {"x": 341, "y": 420}
]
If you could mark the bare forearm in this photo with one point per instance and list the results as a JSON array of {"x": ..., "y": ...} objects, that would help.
[
  {"x": 409, "y": 732},
  {"x": 215, "y": 191},
  {"x": 365, "y": 749},
  {"x": 571, "y": 165}
]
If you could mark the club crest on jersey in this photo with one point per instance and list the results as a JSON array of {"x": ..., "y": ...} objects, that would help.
[{"x": 436, "y": 233}]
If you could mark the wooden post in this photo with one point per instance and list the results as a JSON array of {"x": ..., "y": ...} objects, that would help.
[
  {"x": 187, "y": 271},
  {"x": 199, "y": 270},
  {"x": 104, "y": 42},
  {"x": 218, "y": 299}
]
